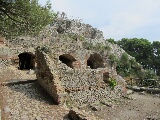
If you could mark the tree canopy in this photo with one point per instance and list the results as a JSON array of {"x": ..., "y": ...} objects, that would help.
[
  {"x": 145, "y": 52},
  {"x": 18, "y": 17},
  {"x": 141, "y": 49}
]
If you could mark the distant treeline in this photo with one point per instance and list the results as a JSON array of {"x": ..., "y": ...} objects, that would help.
[{"x": 145, "y": 52}]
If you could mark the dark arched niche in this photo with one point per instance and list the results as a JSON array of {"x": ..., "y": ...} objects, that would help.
[
  {"x": 26, "y": 61},
  {"x": 67, "y": 59},
  {"x": 95, "y": 61}
]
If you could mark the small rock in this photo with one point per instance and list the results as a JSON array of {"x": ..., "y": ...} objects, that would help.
[
  {"x": 95, "y": 108},
  {"x": 129, "y": 92},
  {"x": 38, "y": 118},
  {"x": 107, "y": 103},
  {"x": 142, "y": 93},
  {"x": 76, "y": 115},
  {"x": 136, "y": 88},
  {"x": 31, "y": 72},
  {"x": 7, "y": 109},
  {"x": 24, "y": 117}
]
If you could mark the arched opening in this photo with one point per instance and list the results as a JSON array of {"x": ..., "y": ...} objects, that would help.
[
  {"x": 95, "y": 61},
  {"x": 89, "y": 63},
  {"x": 26, "y": 61},
  {"x": 67, "y": 59}
]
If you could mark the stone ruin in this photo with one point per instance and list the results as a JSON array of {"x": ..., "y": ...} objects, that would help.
[
  {"x": 76, "y": 75},
  {"x": 68, "y": 71}
]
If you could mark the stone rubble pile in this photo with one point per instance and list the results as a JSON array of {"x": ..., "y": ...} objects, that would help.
[{"x": 94, "y": 95}]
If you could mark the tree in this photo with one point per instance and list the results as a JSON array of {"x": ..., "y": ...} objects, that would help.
[
  {"x": 111, "y": 40},
  {"x": 156, "y": 57},
  {"x": 145, "y": 52},
  {"x": 141, "y": 49},
  {"x": 18, "y": 17},
  {"x": 123, "y": 65}
]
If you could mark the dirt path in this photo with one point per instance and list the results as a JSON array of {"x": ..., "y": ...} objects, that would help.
[
  {"x": 11, "y": 73},
  {"x": 141, "y": 107}
]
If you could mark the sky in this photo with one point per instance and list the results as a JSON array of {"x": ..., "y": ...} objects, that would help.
[{"x": 117, "y": 19}]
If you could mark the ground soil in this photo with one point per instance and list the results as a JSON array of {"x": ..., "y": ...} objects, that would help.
[
  {"x": 10, "y": 73},
  {"x": 141, "y": 106}
]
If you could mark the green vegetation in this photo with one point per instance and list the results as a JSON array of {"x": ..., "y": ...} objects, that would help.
[
  {"x": 46, "y": 49},
  {"x": 130, "y": 68},
  {"x": 88, "y": 45},
  {"x": 69, "y": 102},
  {"x": 145, "y": 53},
  {"x": 111, "y": 41},
  {"x": 112, "y": 83},
  {"x": 141, "y": 49},
  {"x": 113, "y": 59},
  {"x": 98, "y": 46},
  {"x": 75, "y": 36},
  {"x": 125, "y": 66},
  {"x": 81, "y": 38},
  {"x": 23, "y": 17},
  {"x": 101, "y": 46},
  {"x": 149, "y": 74}
]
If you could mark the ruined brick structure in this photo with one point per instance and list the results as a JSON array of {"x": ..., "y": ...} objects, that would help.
[
  {"x": 68, "y": 76},
  {"x": 64, "y": 67}
]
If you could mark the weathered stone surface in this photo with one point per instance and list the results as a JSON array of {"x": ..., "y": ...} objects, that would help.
[
  {"x": 7, "y": 109},
  {"x": 31, "y": 72},
  {"x": 129, "y": 92},
  {"x": 75, "y": 115},
  {"x": 95, "y": 107},
  {"x": 106, "y": 103}
]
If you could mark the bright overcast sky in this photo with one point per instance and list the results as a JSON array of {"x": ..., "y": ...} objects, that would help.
[{"x": 116, "y": 18}]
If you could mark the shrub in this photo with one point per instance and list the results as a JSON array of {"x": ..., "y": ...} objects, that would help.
[
  {"x": 112, "y": 83},
  {"x": 46, "y": 49}
]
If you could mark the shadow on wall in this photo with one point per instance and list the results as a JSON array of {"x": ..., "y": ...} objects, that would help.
[
  {"x": 33, "y": 91},
  {"x": 95, "y": 61},
  {"x": 67, "y": 59}
]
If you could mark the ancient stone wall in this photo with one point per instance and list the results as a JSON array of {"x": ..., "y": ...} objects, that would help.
[
  {"x": 81, "y": 85},
  {"x": 48, "y": 77}
]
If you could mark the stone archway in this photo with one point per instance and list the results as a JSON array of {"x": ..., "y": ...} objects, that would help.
[
  {"x": 26, "y": 61},
  {"x": 95, "y": 61},
  {"x": 67, "y": 59}
]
